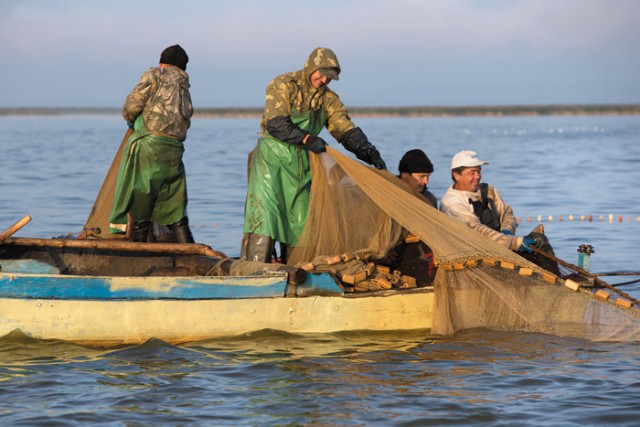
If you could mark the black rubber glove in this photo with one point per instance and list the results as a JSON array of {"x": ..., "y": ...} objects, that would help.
[
  {"x": 356, "y": 141},
  {"x": 368, "y": 153},
  {"x": 282, "y": 128},
  {"x": 376, "y": 160},
  {"x": 315, "y": 144}
]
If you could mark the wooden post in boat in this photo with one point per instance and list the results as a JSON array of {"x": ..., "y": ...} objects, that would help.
[{"x": 14, "y": 228}]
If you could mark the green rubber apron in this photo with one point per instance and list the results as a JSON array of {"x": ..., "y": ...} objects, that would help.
[
  {"x": 277, "y": 202},
  {"x": 152, "y": 183}
]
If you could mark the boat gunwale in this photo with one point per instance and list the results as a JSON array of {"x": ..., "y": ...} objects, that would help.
[{"x": 203, "y": 279}]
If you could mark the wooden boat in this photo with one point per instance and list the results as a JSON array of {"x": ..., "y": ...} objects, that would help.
[
  {"x": 112, "y": 292},
  {"x": 105, "y": 294}
]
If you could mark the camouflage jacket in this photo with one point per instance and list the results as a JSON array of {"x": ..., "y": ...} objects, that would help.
[
  {"x": 162, "y": 96},
  {"x": 294, "y": 90}
]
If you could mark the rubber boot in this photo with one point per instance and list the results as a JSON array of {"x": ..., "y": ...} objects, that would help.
[
  {"x": 256, "y": 247},
  {"x": 283, "y": 253},
  {"x": 141, "y": 231},
  {"x": 182, "y": 231}
]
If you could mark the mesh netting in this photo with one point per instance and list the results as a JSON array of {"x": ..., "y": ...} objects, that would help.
[
  {"x": 358, "y": 214},
  {"x": 357, "y": 210},
  {"x": 501, "y": 299},
  {"x": 97, "y": 224},
  {"x": 355, "y": 207}
]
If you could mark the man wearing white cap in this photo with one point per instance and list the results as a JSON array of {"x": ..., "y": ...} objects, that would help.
[{"x": 479, "y": 205}]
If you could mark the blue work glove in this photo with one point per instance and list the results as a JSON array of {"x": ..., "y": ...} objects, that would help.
[
  {"x": 507, "y": 232},
  {"x": 130, "y": 124},
  {"x": 316, "y": 144},
  {"x": 526, "y": 242}
]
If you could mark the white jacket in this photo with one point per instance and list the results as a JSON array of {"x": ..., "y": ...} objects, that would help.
[{"x": 456, "y": 204}]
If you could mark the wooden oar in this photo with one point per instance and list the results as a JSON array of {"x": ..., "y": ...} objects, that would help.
[
  {"x": 14, "y": 228},
  {"x": 121, "y": 245}
]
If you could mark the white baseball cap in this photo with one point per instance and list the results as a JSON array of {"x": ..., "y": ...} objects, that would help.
[{"x": 466, "y": 159}]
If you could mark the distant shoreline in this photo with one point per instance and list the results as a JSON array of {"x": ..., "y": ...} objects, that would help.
[{"x": 408, "y": 111}]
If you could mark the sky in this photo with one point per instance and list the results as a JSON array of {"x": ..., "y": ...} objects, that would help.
[{"x": 91, "y": 53}]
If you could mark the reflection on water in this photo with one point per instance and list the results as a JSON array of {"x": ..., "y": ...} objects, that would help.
[
  {"x": 54, "y": 167},
  {"x": 273, "y": 377},
  {"x": 274, "y": 345},
  {"x": 19, "y": 349}
]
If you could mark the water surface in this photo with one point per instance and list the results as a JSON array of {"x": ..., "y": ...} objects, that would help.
[{"x": 53, "y": 168}]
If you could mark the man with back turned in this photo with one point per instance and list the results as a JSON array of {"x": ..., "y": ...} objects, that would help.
[{"x": 152, "y": 185}]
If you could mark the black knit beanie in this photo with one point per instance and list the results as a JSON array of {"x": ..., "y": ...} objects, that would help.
[
  {"x": 415, "y": 161},
  {"x": 175, "y": 55}
]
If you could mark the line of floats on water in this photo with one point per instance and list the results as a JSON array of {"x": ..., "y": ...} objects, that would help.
[{"x": 589, "y": 218}]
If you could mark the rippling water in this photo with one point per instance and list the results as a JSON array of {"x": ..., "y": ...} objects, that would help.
[{"x": 549, "y": 166}]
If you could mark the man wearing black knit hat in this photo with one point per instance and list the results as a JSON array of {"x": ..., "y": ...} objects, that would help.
[
  {"x": 174, "y": 55},
  {"x": 415, "y": 169},
  {"x": 413, "y": 257},
  {"x": 152, "y": 185}
]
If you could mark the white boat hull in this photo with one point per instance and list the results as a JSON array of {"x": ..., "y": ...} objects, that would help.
[{"x": 108, "y": 323}]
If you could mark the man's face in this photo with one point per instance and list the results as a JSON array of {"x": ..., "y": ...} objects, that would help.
[
  {"x": 318, "y": 80},
  {"x": 417, "y": 181},
  {"x": 468, "y": 179}
]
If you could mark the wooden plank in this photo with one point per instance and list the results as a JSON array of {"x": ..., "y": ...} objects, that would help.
[
  {"x": 14, "y": 228},
  {"x": 121, "y": 245}
]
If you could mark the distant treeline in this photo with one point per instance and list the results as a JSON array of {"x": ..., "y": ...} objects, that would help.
[
  {"x": 511, "y": 110},
  {"x": 425, "y": 111}
]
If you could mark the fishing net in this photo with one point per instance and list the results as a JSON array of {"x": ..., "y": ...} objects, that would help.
[
  {"x": 97, "y": 224},
  {"x": 354, "y": 207},
  {"x": 358, "y": 215},
  {"x": 502, "y": 299}
]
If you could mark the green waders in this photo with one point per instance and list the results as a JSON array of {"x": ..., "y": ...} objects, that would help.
[
  {"x": 277, "y": 202},
  {"x": 151, "y": 185}
]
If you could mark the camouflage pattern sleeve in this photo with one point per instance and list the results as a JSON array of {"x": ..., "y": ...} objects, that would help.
[
  {"x": 168, "y": 111},
  {"x": 137, "y": 99},
  {"x": 338, "y": 120},
  {"x": 278, "y": 100}
]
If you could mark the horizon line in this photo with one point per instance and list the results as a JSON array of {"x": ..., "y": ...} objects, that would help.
[{"x": 372, "y": 111}]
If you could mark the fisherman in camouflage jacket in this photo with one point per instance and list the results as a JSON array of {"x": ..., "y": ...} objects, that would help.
[
  {"x": 298, "y": 106},
  {"x": 152, "y": 183}
]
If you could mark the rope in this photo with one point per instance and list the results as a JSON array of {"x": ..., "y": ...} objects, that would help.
[
  {"x": 630, "y": 282},
  {"x": 618, "y": 273}
]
